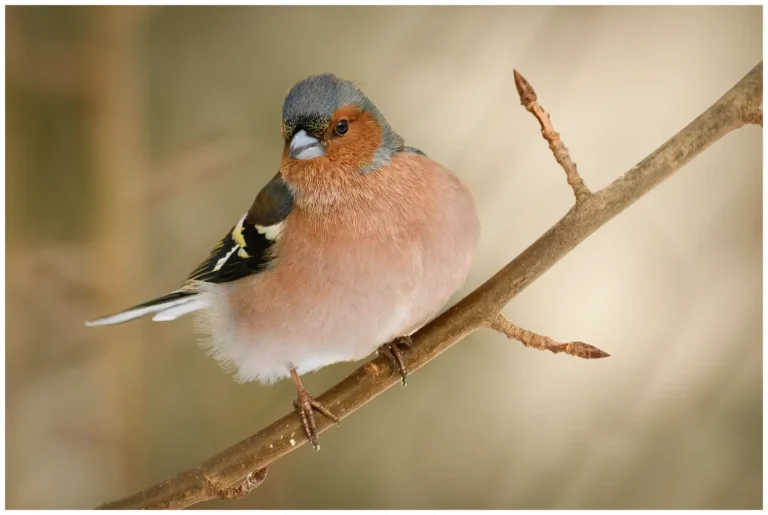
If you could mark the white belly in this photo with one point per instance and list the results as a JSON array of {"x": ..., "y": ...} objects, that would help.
[{"x": 341, "y": 316}]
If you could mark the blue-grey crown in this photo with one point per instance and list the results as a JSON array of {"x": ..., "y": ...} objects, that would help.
[
  {"x": 310, "y": 104},
  {"x": 320, "y": 96}
]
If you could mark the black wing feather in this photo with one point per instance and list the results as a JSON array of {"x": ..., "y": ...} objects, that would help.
[
  {"x": 236, "y": 265},
  {"x": 245, "y": 250}
]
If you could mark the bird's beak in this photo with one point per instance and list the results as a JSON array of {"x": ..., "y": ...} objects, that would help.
[{"x": 304, "y": 146}]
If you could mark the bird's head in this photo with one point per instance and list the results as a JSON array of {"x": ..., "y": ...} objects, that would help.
[{"x": 331, "y": 128}]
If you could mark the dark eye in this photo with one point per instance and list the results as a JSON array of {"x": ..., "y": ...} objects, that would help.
[{"x": 341, "y": 128}]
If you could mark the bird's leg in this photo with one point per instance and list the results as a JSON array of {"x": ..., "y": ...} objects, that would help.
[
  {"x": 393, "y": 352},
  {"x": 305, "y": 405}
]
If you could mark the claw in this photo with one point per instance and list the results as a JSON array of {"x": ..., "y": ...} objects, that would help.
[
  {"x": 305, "y": 405},
  {"x": 395, "y": 356}
]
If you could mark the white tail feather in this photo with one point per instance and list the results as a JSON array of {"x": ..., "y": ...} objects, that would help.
[
  {"x": 130, "y": 314},
  {"x": 175, "y": 312}
]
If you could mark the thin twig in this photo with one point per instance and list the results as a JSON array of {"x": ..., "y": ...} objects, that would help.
[
  {"x": 740, "y": 105},
  {"x": 538, "y": 341},
  {"x": 556, "y": 145}
]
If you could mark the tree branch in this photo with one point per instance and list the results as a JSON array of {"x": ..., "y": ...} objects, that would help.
[{"x": 739, "y": 106}]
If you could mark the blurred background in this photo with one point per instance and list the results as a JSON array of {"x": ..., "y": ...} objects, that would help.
[{"x": 135, "y": 136}]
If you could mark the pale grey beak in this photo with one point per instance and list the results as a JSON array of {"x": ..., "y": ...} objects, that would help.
[{"x": 304, "y": 146}]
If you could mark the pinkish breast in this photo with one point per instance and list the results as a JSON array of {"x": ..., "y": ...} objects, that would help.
[{"x": 347, "y": 280}]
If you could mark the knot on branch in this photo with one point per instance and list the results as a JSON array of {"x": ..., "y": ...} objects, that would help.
[
  {"x": 252, "y": 481},
  {"x": 751, "y": 114}
]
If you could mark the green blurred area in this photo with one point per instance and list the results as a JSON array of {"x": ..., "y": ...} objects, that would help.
[{"x": 136, "y": 136}]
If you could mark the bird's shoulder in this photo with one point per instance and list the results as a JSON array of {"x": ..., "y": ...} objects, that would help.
[{"x": 247, "y": 248}]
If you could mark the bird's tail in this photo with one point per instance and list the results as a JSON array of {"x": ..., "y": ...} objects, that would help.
[{"x": 167, "y": 307}]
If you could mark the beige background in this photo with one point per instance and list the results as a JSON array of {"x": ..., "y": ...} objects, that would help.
[{"x": 136, "y": 137}]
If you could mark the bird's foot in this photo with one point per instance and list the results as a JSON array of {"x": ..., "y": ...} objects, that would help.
[
  {"x": 305, "y": 406},
  {"x": 394, "y": 352}
]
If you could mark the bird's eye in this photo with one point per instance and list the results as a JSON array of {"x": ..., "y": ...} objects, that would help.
[{"x": 341, "y": 128}]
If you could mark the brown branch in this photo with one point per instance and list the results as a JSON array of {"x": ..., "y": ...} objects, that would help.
[
  {"x": 112, "y": 51},
  {"x": 739, "y": 106},
  {"x": 556, "y": 145},
  {"x": 537, "y": 341}
]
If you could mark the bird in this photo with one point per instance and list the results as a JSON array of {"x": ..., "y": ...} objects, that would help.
[{"x": 356, "y": 242}]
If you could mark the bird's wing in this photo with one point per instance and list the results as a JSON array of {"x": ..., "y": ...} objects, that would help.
[
  {"x": 245, "y": 249},
  {"x": 242, "y": 252}
]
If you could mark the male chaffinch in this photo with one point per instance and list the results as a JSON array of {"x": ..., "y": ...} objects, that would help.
[{"x": 355, "y": 244}]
